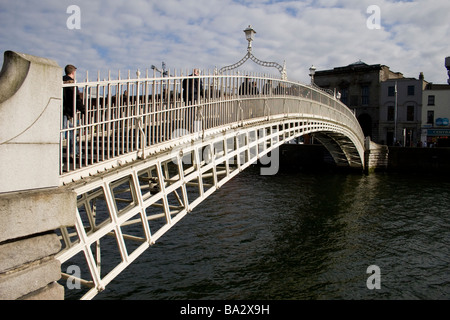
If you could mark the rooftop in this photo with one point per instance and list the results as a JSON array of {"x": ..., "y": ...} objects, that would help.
[
  {"x": 358, "y": 66},
  {"x": 432, "y": 86}
]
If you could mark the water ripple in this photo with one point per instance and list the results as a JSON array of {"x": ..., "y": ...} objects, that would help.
[{"x": 302, "y": 236}]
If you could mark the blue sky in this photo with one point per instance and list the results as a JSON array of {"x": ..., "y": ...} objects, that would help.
[{"x": 134, "y": 34}]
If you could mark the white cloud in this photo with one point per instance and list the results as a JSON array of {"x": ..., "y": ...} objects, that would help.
[{"x": 126, "y": 34}]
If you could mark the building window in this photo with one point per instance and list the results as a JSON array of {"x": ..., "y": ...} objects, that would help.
[
  {"x": 431, "y": 100},
  {"x": 391, "y": 91},
  {"x": 430, "y": 117},
  {"x": 365, "y": 96},
  {"x": 391, "y": 113},
  {"x": 410, "y": 113},
  {"x": 411, "y": 90}
]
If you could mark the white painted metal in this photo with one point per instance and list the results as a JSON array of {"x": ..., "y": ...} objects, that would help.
[
  {"x": 118, "y": 128},
  {"x": 145, "y": 163}
]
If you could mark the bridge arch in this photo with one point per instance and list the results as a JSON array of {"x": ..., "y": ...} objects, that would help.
[{"x": 136, "y": 197}]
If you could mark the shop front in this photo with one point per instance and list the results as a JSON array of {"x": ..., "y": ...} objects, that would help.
[{"x": 438, "y": 137}]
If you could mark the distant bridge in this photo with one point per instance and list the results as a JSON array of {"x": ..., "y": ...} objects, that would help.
[{"x": 148, "y": 149}]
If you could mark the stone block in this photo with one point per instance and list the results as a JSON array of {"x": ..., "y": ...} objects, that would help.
[
  {"x": 53, "y": 291},
  {"x": 27, "y": 213},
  {"x": 21, "y": 167},
  {"x": 30, "y": 120},
  {"x": 32, "y": 277},
  {"x": 15, "y": 254}
]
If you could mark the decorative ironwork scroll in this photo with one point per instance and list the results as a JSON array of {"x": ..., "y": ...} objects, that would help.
[{"x": 249, "y": 55}]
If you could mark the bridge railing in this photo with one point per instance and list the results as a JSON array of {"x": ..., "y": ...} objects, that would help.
[{"x": 114, "y": 118}]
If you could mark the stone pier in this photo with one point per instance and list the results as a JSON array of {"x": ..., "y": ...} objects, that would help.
[
  {"x": 376, "y": 156},
  {"x": 32, "y": 204}
]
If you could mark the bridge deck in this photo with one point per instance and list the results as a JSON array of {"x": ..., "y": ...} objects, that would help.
[{"x": 117, "y": 126}]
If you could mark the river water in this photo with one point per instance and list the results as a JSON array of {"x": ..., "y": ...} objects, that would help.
[{"x": 303, "y": 235}]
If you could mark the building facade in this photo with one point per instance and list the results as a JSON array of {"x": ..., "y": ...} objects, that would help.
[
  {"x": 436, "y": 115},
  {"x": 401, "y": 111},
  {"x": 359, "y": 85}
]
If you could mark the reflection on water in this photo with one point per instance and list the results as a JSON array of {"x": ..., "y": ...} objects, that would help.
[{"x": 302, "y": 236}]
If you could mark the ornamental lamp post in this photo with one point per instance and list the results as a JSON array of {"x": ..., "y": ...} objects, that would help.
[
  {"x": 163, "y": 72},
  {"x": 396, "y": 113},
  {"x": 249, "y": 35}
]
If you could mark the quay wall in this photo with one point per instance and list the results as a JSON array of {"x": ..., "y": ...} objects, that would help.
[
  {"x": 298, "y": 157},
  {"x": 32, "y": 205},
  {"x": 419, "y": 160}
]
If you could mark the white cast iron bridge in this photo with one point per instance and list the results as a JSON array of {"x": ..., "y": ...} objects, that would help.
[{"x": 146, "y": 152}]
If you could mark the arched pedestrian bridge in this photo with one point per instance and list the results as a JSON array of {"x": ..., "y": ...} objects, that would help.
[{"x": 146, "y": 150}]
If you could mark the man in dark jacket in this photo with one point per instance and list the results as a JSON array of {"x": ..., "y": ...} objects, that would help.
[
  {"x": 68, "y": 108},
  {"x": 68, "y": 93},
  {"x": 192, "y": 88}
]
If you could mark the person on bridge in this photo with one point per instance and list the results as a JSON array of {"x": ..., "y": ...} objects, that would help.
[
  {"x": 69, "y": 92},
  {"x": 192, "y": 88},
  {"x": 245, "y": 87},
  {"x": 267, "y": 90},
  {"x": 68, "y": 105},
  {"x": 248, "y": 88}
]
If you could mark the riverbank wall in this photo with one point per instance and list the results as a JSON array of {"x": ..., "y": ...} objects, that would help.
[
  {"x": 303, "y": 157},
  {"x": 419, "y": 160}
]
